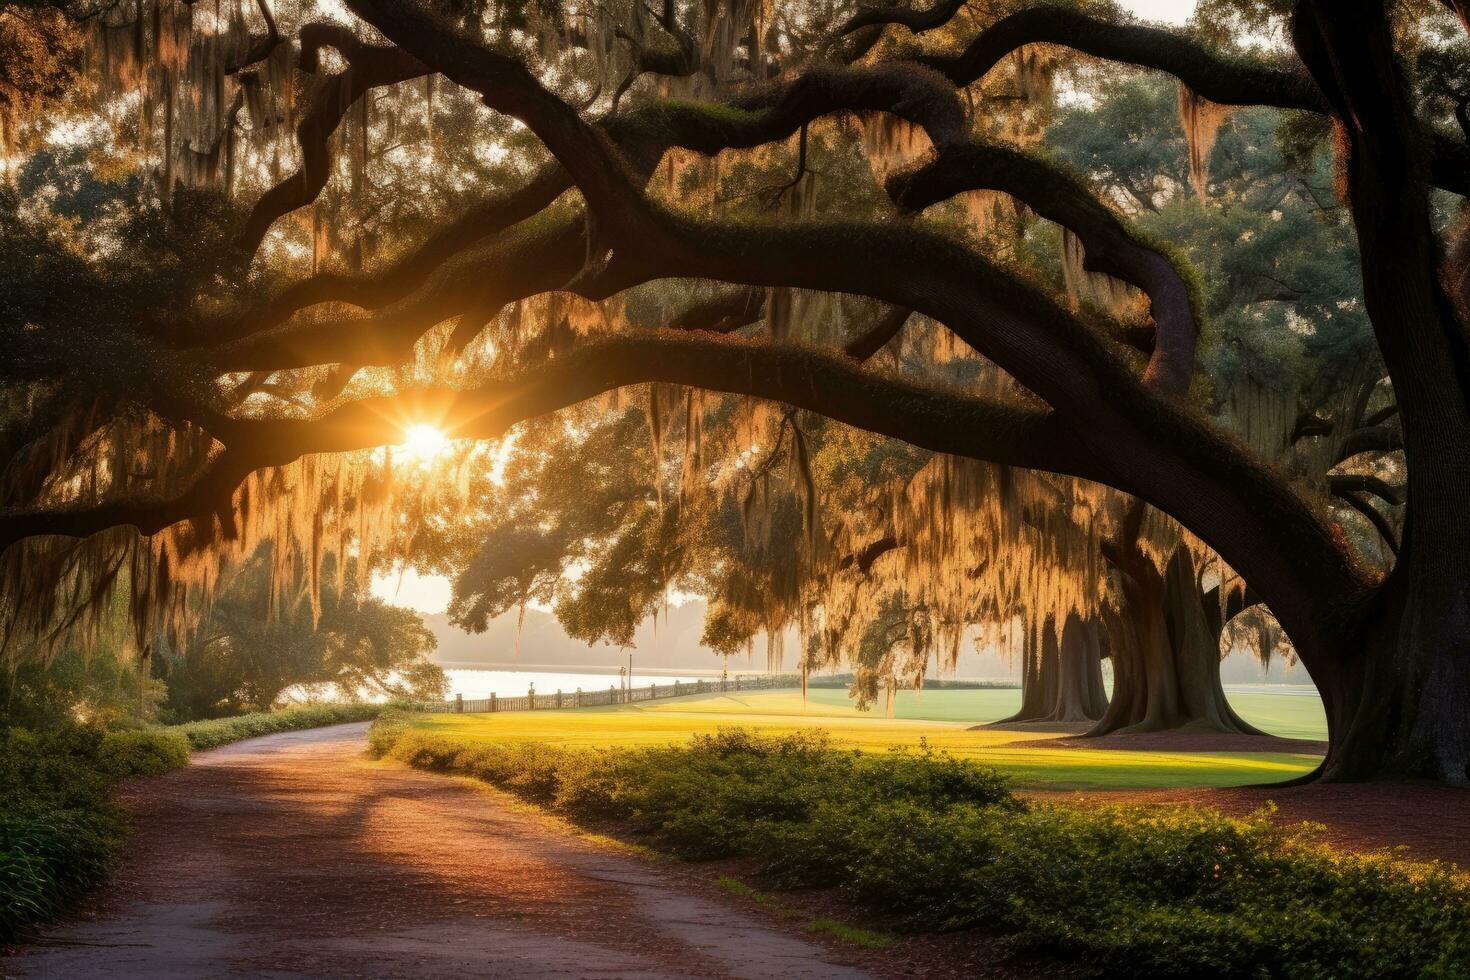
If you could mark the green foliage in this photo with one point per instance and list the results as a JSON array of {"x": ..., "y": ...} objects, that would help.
[
  {"x": 59, "y": 830},
  {"x": 930, "y": 842},
  {"x": 141, "y": 752},
  {"x": 1273, "y": 246},
  {"x": 251, "y": 648},
  {"x": 222, "y": 731},
  {"x": 99, "y": 688}
]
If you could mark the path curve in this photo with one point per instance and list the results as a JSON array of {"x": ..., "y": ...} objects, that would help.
[{"x": 294, "y": 855}]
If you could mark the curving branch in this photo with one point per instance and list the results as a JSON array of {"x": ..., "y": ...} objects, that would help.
[
  {"x": 375, "y": 290},
  {"x": 370, "y": 66},
  {"x": 260, "y": 46},
  {"x": 1219, "y": 77},
  {"x": 886, "y": 327},
  {"x": 1111, "y": 246},
  {"x": 939, "y": 419},
  {"x": 1344, "y": 483},
  {"x": 762, "y": 115},
  {"x": 1360, "y": 503},
  {"x": 1371, "y": 439}
]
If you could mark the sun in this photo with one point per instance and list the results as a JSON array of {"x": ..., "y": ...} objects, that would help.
[{"x": 424, "y": 443}]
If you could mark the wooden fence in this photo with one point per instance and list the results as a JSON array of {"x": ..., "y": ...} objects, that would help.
[{"x": 612, "y": 695}]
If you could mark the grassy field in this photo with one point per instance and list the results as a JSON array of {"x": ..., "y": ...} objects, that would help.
[{"x": 941, "y": 719}]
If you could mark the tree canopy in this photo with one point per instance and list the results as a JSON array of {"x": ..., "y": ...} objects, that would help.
[{"x": 934, "y": 317}]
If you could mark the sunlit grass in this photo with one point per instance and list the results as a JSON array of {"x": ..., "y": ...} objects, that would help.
[{"x": 779, "y": 712}]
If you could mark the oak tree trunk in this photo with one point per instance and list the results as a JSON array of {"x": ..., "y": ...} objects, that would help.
[
  {"x": 1061, "y": 678},
  {"x": 1166, "y": 659},
  {"x": 1394, "y": 668}
]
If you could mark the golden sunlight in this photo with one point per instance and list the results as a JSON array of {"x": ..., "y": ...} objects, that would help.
[{"x": 424, "y": 443}]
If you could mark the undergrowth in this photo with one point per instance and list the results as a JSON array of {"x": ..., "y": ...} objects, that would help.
[
  {"x": 928, "y": 842},
  {"x": 59, "y": 830}
]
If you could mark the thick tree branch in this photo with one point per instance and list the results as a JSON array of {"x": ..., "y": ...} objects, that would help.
[
  {"x": 369, "y": 67},
  {"x": 1341, "y": 483},
  {"x": 929, "y": 417},
  {"x": 1219, "y": 77},
  {"x": 1373, "y": 439},
  {"x": 886, "y": 327},
  {"x": 1360, "y": 503},
  {"x": 1111, "y": 247}
]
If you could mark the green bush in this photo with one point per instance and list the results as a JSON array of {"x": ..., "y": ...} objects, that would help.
[
  {"x": 58, "y": 829},
  {"x": 141, "y": 752},
  {"x": 222, "y": 731},
  {"x": 931, "y": 842}
]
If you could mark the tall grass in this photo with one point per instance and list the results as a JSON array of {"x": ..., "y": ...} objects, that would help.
[{"x": 927, "y": 842}]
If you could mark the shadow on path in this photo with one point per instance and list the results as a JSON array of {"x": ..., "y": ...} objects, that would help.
[{"x": 294, "y": 855}]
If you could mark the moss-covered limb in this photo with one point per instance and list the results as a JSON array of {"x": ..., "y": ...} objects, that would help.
[
  {"x": 917, "y": 21},
  {"x": 1214, "y": 75},
  {"x": 939, "y": 419},
  {"x": 884, "y": 328},
  {"x": 381, "y": 287},
  {"x": 774, "y": 111},
  {"x": 1359, "y": 502},
  {"x": 1111, "y": 246},
  {"x": 369, "y": 67},
  {"x": 727, "y": 310},
  {"x": 531, "y": 258},
  {"x": 1217, "y": 76}
]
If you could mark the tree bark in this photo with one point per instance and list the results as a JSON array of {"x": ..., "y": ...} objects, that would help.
[
  {"x": 1080, "y": 693},
  {"x": 1061, "y": 679},
  {"x": 1166, "y": 659},
  {"x": 1396, "y": 680}
]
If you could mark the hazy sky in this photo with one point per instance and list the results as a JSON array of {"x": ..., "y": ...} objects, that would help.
[{"x": 1170, "y": 11}]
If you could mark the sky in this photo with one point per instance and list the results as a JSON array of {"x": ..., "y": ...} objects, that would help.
[
  {"x": 430, "y": 594},
  {"x": 1166, "y": 11}
]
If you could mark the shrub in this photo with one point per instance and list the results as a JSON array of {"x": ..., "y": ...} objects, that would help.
[
  {"x": 222, "y": 731},
  {"x": 932, "y": 842},
  {"x": 58, "y": 829},
  {"x": 141, "y": 752}
]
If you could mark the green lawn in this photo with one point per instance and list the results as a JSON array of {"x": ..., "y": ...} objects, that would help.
[{"x": 943, "y": 719}]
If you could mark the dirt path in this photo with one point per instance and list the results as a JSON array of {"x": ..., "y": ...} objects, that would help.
[{"x": 293, "y": 855}]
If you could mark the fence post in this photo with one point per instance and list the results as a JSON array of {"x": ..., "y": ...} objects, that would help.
[
  {"x": 737, "y": 683},
  {"x": 558, "y": 697},
  {"x": 531, "y": 698},
  {"x": 458, "y": 703},
  {"x": 492, "y": 700},
  {"x": 612, "y": 694},
  {"x": 577, "y": 699},
  {"x": 676, "y": 689}
]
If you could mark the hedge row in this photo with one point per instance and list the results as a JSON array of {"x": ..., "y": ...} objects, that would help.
[
  {"x": 222, "y": 731},
  {"x": 932, "y": 843}
]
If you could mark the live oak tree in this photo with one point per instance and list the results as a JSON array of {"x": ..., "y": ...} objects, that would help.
[{"x": 212, "y": 390}]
